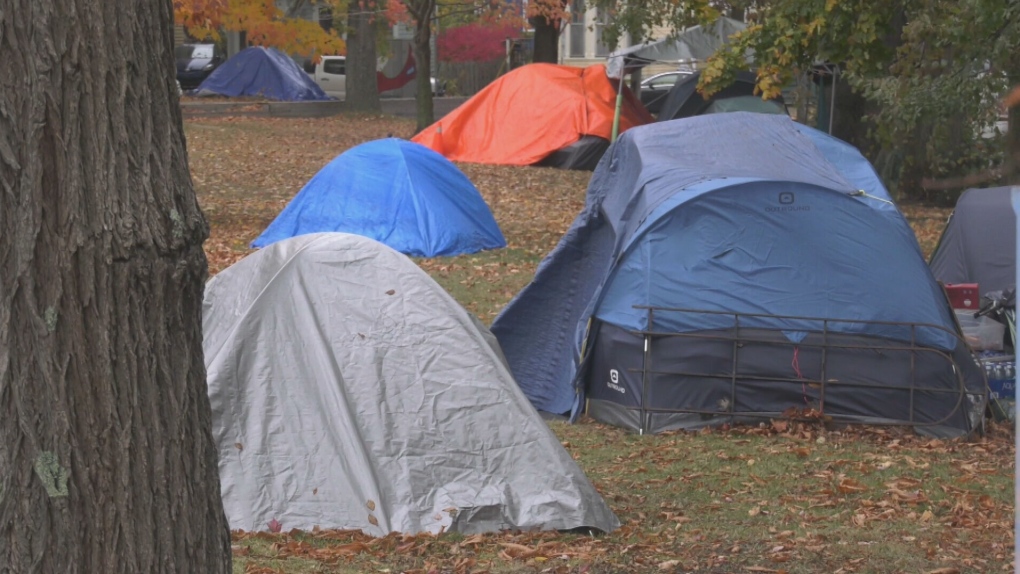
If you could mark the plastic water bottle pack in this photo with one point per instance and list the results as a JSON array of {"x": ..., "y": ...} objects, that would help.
[{"x": 1001, "y": 377}]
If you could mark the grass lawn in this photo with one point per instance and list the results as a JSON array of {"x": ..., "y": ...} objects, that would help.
[{"x": 784, "y": 497}]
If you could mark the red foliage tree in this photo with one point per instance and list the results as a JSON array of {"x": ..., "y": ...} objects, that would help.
[{"x": 474, "y": 42}]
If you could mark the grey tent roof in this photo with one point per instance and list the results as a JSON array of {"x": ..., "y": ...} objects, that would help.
[
  {"x": 979, "y": 242},
  {"x": 349, "y": 390},
  {"x": 695, "y": 43}
]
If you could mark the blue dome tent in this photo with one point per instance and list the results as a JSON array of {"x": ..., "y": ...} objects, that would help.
[
  {"x": 261, "y": 72},
  {"x": 397, "y": 192},
  {"x": 733, "y": 267}
]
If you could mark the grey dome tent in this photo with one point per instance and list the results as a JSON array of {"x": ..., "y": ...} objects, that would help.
[
  {"x": 978, "y": 244},
  {"x": 350, "y": 391}
]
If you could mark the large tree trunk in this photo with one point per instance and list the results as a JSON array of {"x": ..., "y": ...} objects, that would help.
[
  {"x": 423, "y": 11},
  {"x": 1011, "y": 165},
  {"x": 850, "y": 109},
  {"x": 547, "y": 41},
  {"x": 107, "y": 462},
  {"x": 362, "y": 84},
  {"x": 1011, "y": 168}
]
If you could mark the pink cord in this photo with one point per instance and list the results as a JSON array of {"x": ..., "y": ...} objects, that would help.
[{"x": 795, "y": 363}]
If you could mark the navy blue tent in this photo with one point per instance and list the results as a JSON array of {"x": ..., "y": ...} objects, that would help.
[
  {"x": 401, "y": 194},
  {"x": 684, "y": 101},
  {"x": 261, "y": 72},
  {"x": 732, "y": 267}
]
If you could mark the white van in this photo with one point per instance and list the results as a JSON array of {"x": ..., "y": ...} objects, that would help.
[{"x": 331, "y": 75}]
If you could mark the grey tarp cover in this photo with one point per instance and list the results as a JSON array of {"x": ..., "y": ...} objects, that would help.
[
  {"x": 979, "y": 242},
  {"x": 349, "y": 390},
  {"x": 696, "y": 43}
]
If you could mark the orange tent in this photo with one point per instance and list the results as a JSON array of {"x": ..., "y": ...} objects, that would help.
[{"x": 531, "y": 112}]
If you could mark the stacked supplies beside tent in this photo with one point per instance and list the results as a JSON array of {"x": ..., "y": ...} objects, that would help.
[
  {"x": 982, "y": 332},
  {"x": 978, "y": 249},
  {"x": 1001, "y": 373},
  {"x": 999, "y": 308}
]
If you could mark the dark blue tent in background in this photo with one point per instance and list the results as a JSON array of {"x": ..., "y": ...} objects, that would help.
[
  {"x": 397, "y": 192},
  {"x": 261, "y": 72},
  {"x": 732, "y": 267},
  {"x": 978, "y": 244},
  {"x": 684, "y": 100}
]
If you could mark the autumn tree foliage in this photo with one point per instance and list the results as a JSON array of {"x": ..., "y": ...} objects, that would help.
[
  {"x": 474, "y": 42},
  {"x": 929, "y": 76},
  {"x": 640, "y": 20},
  {"x": 263, "y": 22},
  {"x": 920, "y": 82}
]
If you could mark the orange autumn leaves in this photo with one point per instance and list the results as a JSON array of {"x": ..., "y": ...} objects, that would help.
[{"x": 262, "y": 21}]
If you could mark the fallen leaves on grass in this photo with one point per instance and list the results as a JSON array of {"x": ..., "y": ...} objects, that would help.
[
  {"x": 927, "y": 222},
  {"x": 791, "y": 495},
  {"x": 246, "y": 170},
  {"x": 826, "y": 516}
]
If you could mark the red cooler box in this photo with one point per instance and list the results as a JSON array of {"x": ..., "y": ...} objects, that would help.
[{"x": 963, "y": 295}]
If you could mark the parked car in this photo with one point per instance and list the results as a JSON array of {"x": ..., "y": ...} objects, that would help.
[
  {"x": 330, "y": 73},
  {"x": 655, "y": 88},
  {"x": 195, "y": 62}
]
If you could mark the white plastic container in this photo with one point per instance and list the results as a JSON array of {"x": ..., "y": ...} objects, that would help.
[{"x": 981, "y": 333}]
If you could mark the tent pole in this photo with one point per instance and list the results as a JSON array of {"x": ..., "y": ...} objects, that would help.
[
  {"x": 1015, "y": 196},
  {"x": 832, "y": 101},
  {"x": 619, "y": 106}
]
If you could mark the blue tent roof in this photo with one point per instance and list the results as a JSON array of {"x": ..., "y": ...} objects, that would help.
[
  {"x": 263, "y": 72},
  {"x": 397, "y": 192},
  {"x": 753, "y": 213}
]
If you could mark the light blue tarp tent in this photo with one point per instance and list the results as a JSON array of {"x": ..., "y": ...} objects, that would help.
[
  {"x": 261, "y": 72},
  {"x": 397, "y": 192},
  {"x": 794, "y": 266}
]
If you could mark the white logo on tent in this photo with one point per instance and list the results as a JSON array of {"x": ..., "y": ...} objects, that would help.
[{"x": 614, "y": 380}]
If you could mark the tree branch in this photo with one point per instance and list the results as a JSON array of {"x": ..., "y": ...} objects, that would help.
[{"x": 974, "y": 179}]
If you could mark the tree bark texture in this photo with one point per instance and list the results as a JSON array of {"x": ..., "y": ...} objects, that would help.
[
  {"x": 851, "y": 108},
  {"x": 547, "y": 41},
  {"x": 362, "y": 84},
  {"x": 423, "y": 11},
  {"x": 1011, "y": 163},
  {"x": 107, "y": 462},
  {"x": 1011, "y": 168}
]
